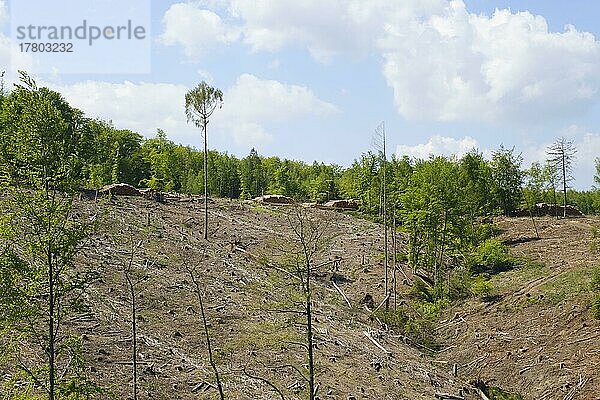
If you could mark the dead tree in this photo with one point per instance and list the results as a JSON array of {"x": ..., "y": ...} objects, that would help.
[
  {"x": 198, "y": 291},
  {"x": 561, "y": 155},
  {"x": 379, "y": 142},
  {"x": 310, "y": 237}
]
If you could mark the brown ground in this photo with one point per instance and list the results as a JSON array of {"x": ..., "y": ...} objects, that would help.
[
  {"x": 242, "y": 295},
  {"x": 537, "y": 339}
]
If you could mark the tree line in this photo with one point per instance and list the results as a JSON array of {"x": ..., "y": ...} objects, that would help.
[{"x": 103, "y": 154}]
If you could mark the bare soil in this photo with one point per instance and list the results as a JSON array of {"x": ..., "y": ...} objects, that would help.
[
  {"x": 536, "y": 336},
  {"x": 245, "y": 300}
]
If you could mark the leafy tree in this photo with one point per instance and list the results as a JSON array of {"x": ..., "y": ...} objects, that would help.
[
  {"x": 40, "y": 236},
  {"x": 252, "y": 177},
  {"x": 508, "y": 178},
  {"x": 200, "y": 103},
  {"x": 433, "y": 213}
]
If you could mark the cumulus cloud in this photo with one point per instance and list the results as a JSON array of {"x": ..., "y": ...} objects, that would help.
[
  {"x": 460, "y": 66},
  {"x": 438, "y": 145},
  {"x": 197, "y": 30},
  {"x": 141, "y": 107},
  {"x": 253, "y": 103},
  {"x": 442, "y": 62},
  {"x": 587, "y": 144}
]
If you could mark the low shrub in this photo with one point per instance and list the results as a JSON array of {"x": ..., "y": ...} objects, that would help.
[
  {"x": 491, "y": 256},
  {"x": 481, "y": 287},
  {"x": 595, "y": 280}
]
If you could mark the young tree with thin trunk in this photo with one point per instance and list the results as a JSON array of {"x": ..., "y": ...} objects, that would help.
[
  {"x": 561, "y": 155},
  {"x": 310, "y": 236},
  {"x": 198, "y": 291},
  {"x": 379, "y": 142},
  {"x": 200, "y": 104},
  {"x": 133, "y": 278},
  {"x": 40, "y": 236}
]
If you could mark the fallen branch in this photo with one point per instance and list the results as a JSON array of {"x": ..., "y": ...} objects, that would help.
[
  {"x": 264, "y": 380},
  {"x": 376, "y": 343},
  {"x": 382, "y": 303},
  {"x": 341, "y": 293},
  {"x": 583, "y": 339},
  {"x": 448, "y": 396},
  {"x": 481, "y": 394}
]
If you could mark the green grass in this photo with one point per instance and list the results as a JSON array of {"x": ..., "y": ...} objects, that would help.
[
  {"x": 495, "y": 393},
  {"x": 566, "y": 285}
]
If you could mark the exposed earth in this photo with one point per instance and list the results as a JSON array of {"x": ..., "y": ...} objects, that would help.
[{"x": 534, "y": 336}]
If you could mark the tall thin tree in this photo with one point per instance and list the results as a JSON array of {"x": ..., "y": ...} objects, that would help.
[
  {"x": 379, "y": 142},
  {"x": 561, "y": 155},
  {"x": 200, "y": 104}
]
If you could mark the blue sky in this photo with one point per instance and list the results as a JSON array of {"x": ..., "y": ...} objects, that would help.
[{"x": 311, "y": 79}]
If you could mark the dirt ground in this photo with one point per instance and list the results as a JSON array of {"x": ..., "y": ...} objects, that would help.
[
  {"x": 536, "y": 338},
  {"x": 254, "y": 337}
]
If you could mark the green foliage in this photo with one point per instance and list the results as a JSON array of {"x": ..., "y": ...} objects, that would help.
[
  {"x": 496, "y": 393},
  {"x": 595, "y": 280},
  {"x": 491, "y": 256},
  {"x": 40, "y": 236},
  {"x": 481, "y": 287},
  {"x": 508, "y": 178},
  {"x": 392, "y": 318},
  {"x": 418, "y": 328},
  {"x": 41, "y": 140}
]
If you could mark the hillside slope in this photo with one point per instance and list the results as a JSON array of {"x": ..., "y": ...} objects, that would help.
[
  {"x": 536, "y": 336},
  {"x": 250, "y": 325}
]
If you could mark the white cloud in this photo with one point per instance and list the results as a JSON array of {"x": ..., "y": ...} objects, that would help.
[
  {"x": 438, "y": 145},
  {"x": 587, "y": 145},
  {"x": 197, "y": 30},
  {"x": 141, "y": 107},
  {"x": 443, "y": 62},
  {"x": 460, "y": 66},
  {"x": 252, "y": 104}
]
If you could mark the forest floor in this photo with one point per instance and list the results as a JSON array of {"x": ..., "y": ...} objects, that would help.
[{"x": 534, "y": 337}]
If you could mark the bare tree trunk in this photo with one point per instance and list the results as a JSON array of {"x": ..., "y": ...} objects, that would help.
[
  {"x": 309, "y": 337},
  {"x": 211, "y": 359},
  {"x": 394, "y": 256},
  {"x": 133, "y": 331},
  {"x": 385, "y": 232},
  {"x": 564, "y": 169},
  {"x": 205, "y": 182},
  {"x": 51, "y": 335}
]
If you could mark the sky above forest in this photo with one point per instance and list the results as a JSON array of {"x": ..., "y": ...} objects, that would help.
[{"x": 311, "y": 80}]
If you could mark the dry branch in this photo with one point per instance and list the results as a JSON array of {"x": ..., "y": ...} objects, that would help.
[
  {"x": 376, "y": 343},
  {"x": 341, "y": 293}
]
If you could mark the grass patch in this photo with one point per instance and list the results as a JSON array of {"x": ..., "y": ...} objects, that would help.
[
  {"x": 595, "y": 308},
  {"x": 496, "y": 393},
  {"x": 566, "y": 285}
]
